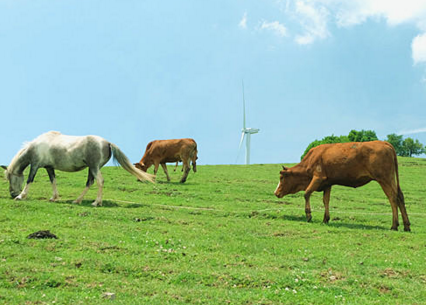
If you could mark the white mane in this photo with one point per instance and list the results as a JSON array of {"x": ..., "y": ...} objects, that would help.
[{"x": 14, "y": 162}]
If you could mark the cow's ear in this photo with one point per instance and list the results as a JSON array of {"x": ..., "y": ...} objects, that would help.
[
  {"x": 285, "y": 168},
  {"x": 4, "y": 167}
]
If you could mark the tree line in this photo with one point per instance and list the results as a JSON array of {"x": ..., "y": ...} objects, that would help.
[{"x": 407, "y": 147}]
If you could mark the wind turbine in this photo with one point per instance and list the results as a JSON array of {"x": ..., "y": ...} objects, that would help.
[{"x": 246, "y": 132}]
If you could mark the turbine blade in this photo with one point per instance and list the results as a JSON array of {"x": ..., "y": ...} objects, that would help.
[
  {"x": 239, "y": 148},
  {"x": 241, "y": 141},
  {"x": 244, "y": 108}
]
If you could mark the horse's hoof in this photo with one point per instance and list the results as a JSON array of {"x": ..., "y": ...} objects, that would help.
[
  {"x": 407, "y": 229},
  {"x": 76, "y": 202},
  {"x": 95, "y": 204}
]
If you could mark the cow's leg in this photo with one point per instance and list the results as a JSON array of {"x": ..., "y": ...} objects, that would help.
[
  {"x": 156, "y": 165},
  {"x": 90, "y": 180},
  {"x": 312, "y": 187},
  {"x": 176, "y": 166},
  {"x": 52, "y": 177},
  {"x": 164, "y": 166},
  {"x": 326, "y": 200},
  {"x": 194, "y": 164},
  {"x": 391, "y": 193},
  {"x": 31, "y": 176},
  {"x": 401, "y": 204},
  {"x": 186, "y": 169}
]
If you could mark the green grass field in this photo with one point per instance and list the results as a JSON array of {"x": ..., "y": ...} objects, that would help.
[{"x": 220, "y": 238}]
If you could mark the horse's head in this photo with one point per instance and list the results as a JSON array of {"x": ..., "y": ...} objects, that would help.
[{"x": 15, "y": 182}]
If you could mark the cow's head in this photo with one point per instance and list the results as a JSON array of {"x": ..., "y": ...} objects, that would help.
[
  {"x": 290, "y": 183},
  {"x": 140, "y": 166}
]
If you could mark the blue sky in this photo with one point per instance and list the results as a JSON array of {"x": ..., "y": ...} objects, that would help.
[{"x": 135, "y": 71}]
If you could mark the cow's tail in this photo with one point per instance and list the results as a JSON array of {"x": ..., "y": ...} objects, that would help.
[
  {"x": 194, "y": 157},
  {"x": 400, "y": 195},
  {"x": 121, "y": 158}
]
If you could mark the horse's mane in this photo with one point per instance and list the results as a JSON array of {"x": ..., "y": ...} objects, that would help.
[{"x": 15, "y": 161}]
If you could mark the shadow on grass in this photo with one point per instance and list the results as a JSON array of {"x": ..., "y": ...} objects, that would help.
[
  {"x": 355, "y": 226},
  {"x": 302, "y": 218},
  {"x": 176, "y": 182},
  {"x": 135, "y": 205},
  {"x": 293, "y": 218},
  {"x": 88, "y": 203}
]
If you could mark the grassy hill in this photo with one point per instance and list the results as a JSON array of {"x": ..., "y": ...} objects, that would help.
[{"x": 220, "y": 238}]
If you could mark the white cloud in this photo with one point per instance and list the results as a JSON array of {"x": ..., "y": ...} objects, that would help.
[
  {"x": 354, "y": 12},
  {"x": 315, "y": 17},
  {"x": 243, "y": 22},
  {"x": 313, "y": 20},
  {"x": 276, "y": 27},
  {"x": 419, "y": 130},
  {"x": 418, "y": 47}
]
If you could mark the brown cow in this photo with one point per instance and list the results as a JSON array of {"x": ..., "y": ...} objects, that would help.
[
  {"x": 348, "y": 164},
  {"x": 162, "y": 151}
]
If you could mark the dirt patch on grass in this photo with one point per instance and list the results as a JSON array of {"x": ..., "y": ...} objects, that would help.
[
  {"x": 393, "y": 274},
  {"x": 42, "y": 235}
]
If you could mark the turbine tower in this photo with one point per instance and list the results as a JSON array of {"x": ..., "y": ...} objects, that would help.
[{"x": 246, "y": 132}]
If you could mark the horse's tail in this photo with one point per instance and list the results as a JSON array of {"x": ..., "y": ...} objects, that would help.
[{"x": 121, "y": 158}]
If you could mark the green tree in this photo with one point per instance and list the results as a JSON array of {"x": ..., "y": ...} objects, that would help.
[
  {"x": 354, "y": 136},
  {"x": 362, "y": 136},
  {"x": 397, "y": 143},
  {"x": 326, "y": 140},
  {"x": 413, "y": 147}
]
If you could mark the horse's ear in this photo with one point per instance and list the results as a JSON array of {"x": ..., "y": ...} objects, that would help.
[
  {"x": 285, "y": 168},
  {"x": 4, "y": 167}
]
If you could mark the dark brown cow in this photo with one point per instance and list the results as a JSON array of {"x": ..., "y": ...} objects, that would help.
[
  {"x": 348, "y": 164},
  {"x": 162, "y": 151}
]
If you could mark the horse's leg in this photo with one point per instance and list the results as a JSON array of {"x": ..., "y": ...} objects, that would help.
[
  {"x": 52, "y": 177},
  {"x": 90, "y": 180},
  {"x": 24, "y": 193},
  {"x": 164, "y": 166},
  {"x": 100, "y": 182}
]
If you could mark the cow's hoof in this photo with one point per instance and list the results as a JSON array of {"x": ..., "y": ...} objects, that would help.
[
  {"x": 308, "y": 218},
  {"x": 394, "y": 228},
  {"x": 407, "y": 229}
]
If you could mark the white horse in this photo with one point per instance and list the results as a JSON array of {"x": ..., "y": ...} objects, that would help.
[{"x": 53, "y": 150}]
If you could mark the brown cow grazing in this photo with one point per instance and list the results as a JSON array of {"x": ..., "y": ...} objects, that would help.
[
  {"x": 348, "y": 164},
  {"x": 162, "y": 151}
]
